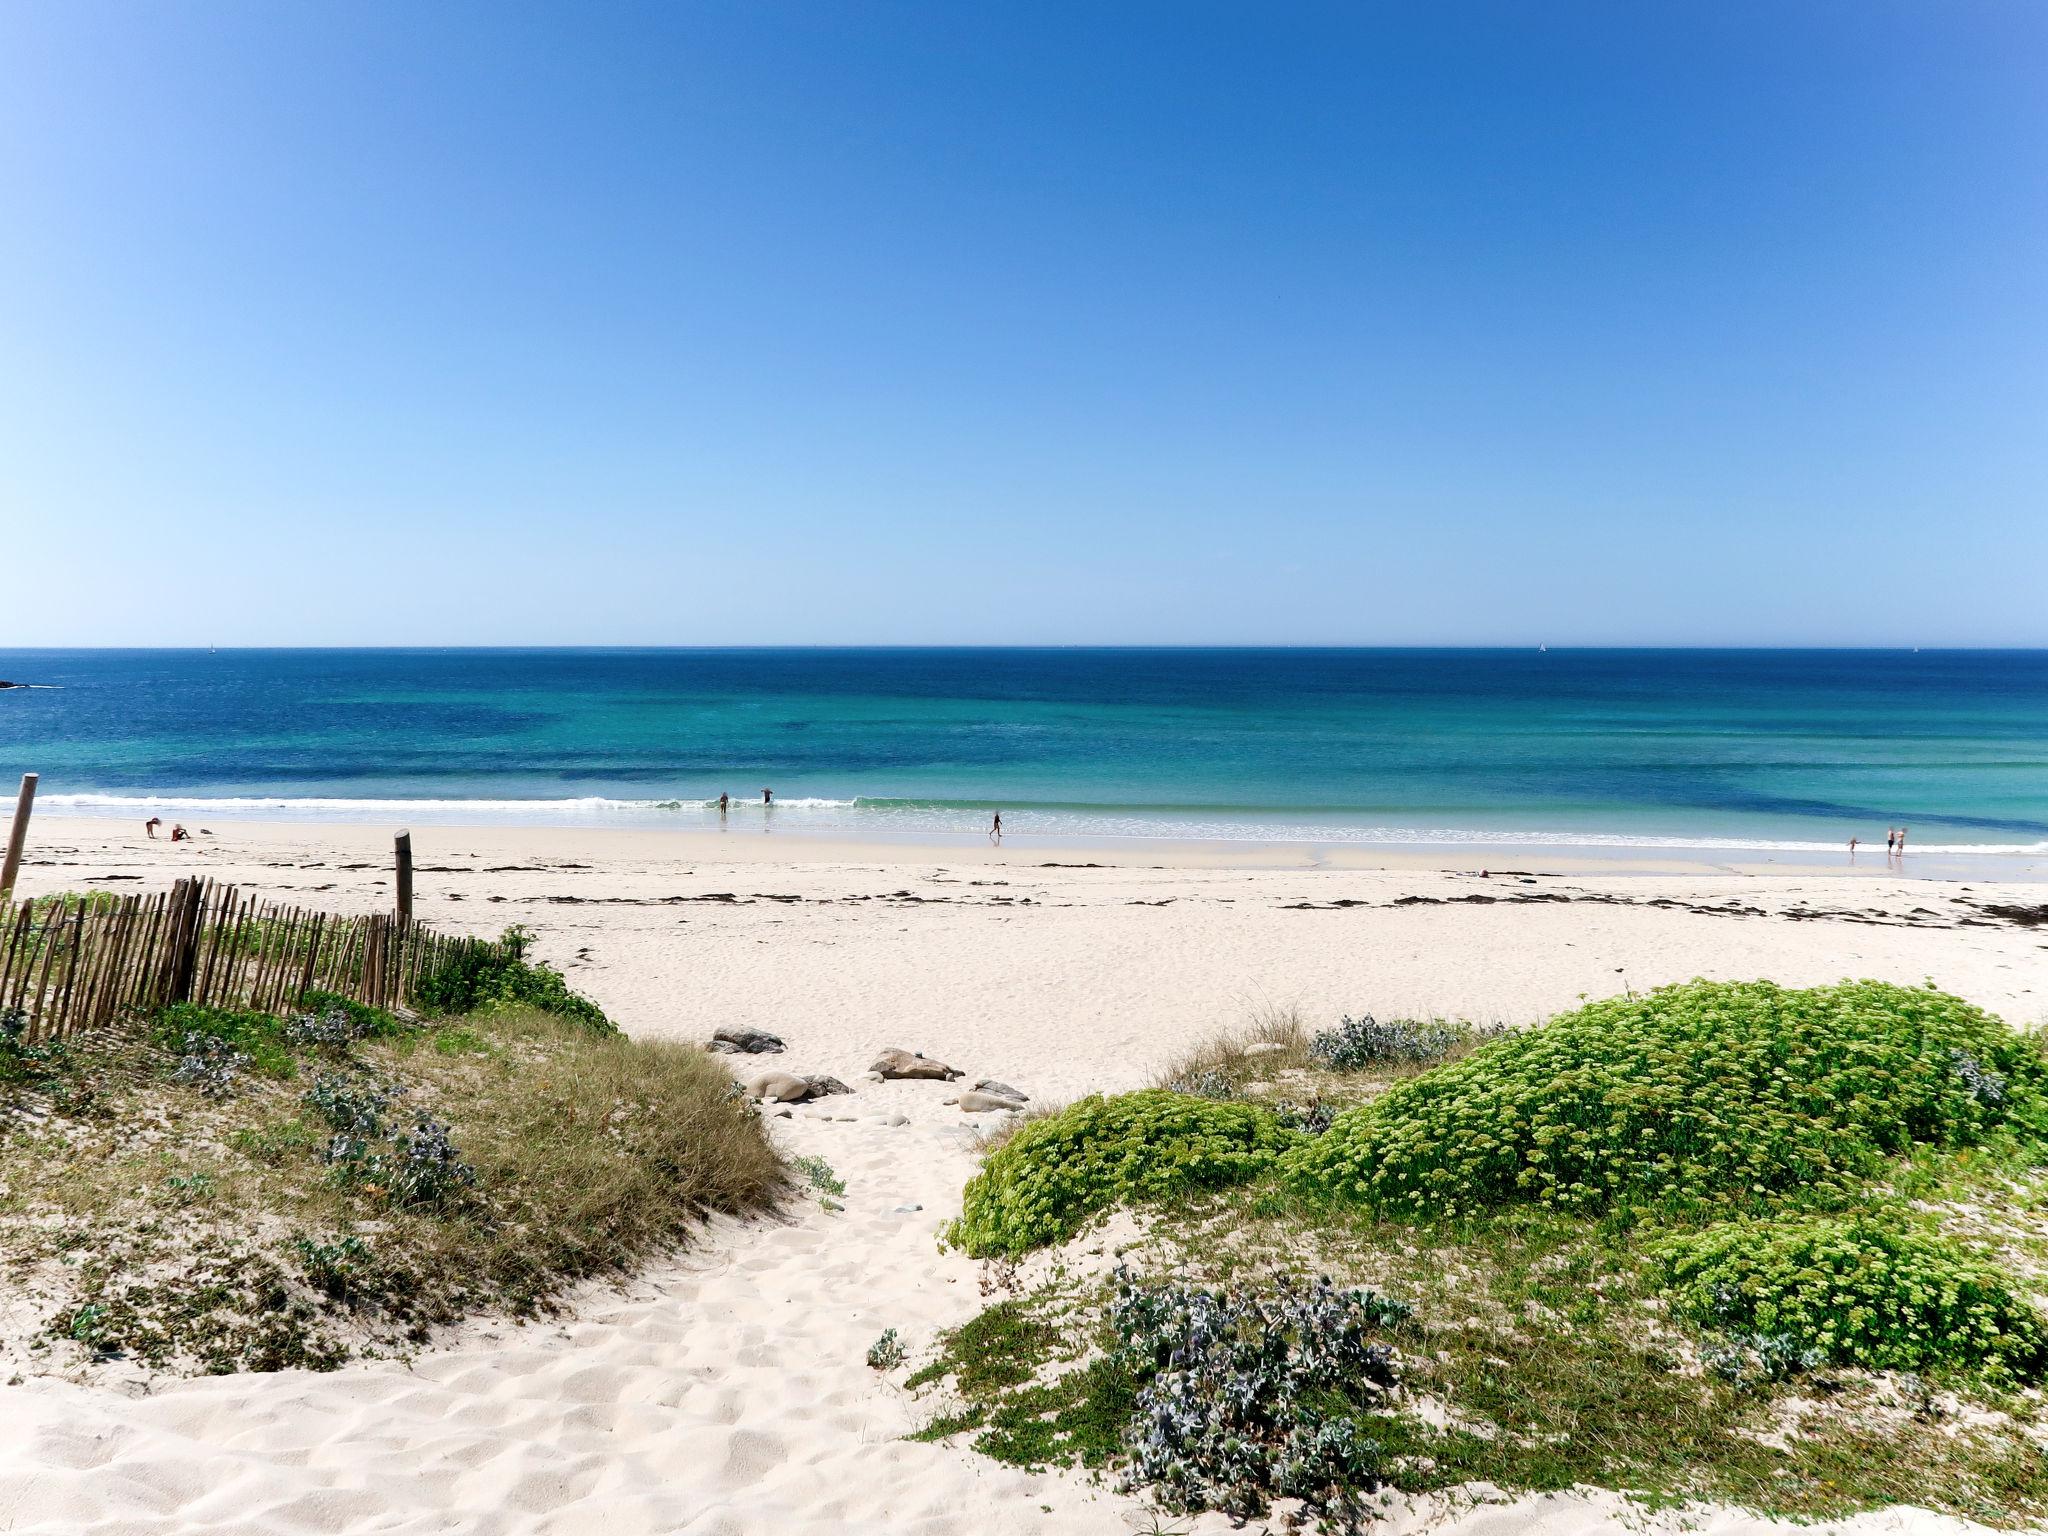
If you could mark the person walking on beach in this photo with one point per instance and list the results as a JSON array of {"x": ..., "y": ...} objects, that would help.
[{"x": 995, "y": 829}]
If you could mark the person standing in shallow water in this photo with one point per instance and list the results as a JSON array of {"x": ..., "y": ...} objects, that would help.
[
  {"x": 1902, "y": 842},
  {"x": 1891, "y": 838},
  {"x": 724, "y": 800},
  {"x": 767, "y": 797}
]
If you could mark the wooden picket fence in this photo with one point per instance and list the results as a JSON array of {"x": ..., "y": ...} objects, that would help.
[{"x": 72, "y": 964}]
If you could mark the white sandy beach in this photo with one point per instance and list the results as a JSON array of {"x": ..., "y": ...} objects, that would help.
[{"x": 725, "y": 1391}]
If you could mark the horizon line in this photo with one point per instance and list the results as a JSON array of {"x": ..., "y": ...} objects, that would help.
[{"x": 1067, "y": 645}]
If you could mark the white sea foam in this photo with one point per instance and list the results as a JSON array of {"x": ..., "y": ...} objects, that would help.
[{"x": 860, "y": 814}]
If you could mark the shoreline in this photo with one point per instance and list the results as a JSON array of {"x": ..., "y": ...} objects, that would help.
[{"x": 773, "y": 844}]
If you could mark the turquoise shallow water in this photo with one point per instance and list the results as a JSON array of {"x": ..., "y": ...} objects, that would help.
[{"x": 1645, "y": 749}]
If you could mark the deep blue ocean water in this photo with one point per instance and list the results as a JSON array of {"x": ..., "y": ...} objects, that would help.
[{"x": 1650, "y": 748}]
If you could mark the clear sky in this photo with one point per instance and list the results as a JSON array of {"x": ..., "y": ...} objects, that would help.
[{"x": 873, "y": 322}]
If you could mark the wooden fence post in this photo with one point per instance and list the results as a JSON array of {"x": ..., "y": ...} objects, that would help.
[
  {"x": 17, "y": 835},
  {"x": 187, "y": 904},
  {"x": 403, "y": 845}
]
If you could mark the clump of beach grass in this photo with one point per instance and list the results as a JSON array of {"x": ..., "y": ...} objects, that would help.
[{"x": 1229, "y": 1061}]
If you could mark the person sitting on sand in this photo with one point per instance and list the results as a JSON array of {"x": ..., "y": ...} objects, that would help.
[
  {"x": 152, "y": 824},
  {"x": 179, "y": 834}
]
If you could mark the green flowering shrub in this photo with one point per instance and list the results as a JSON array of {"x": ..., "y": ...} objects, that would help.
[
  {"x": 1706, "y": 1092},
  {"x": 1048, "y": 1179},
  {"x": 472, "y": 977},
  {"x": 1860, "y": 1290}
]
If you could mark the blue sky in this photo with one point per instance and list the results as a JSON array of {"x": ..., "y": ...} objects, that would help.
[{"x": 870, "y": 322}]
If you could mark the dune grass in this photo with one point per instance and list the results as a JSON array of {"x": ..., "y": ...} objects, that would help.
[{"x": 345, "y": 1190}]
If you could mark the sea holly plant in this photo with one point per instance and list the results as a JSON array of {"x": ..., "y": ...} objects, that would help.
[
  {"x": 1360, "y": 1044},
  {"x": 425, "y": 1168},
  {"x": 1986, "y": 1086},
  {"x": 1256, "y": 1392},
  {"x": 1753, "y": 1359},
  {"x": 210, "y": 1064},
  {"x": 887, "y": 1352},
  {"x": 414, "y": 1167}
]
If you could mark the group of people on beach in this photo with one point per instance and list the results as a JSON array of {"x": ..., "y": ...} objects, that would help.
[{"x": 1894, "y": 843}]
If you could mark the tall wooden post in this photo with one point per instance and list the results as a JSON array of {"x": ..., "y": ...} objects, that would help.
[
  {"x": 404, "y": 846},
  {"x": 18, "y": 835},
  {"x": 188, "y": 908}
]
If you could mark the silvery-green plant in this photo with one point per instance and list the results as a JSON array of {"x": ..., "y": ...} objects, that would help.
[
  {"x": 415, "y": 1167},
  {"x": 1355, "y": 1045},
  {"x": 886, "y": 1353},
  {"x": 1986, "y": 1086},
  {"x": 1209, "y": 1084},
  {"x": 426, "y": 1168},
  {"x": 1251, "y": 1393},
  {"x": 333, "y": 1028},
  {"x": 210, "y": 1064}
]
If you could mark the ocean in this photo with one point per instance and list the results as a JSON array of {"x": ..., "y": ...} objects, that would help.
[{"x": 1617, "y": 749}]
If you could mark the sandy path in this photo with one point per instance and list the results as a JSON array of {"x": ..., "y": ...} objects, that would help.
[{"x": 726, "y": 1391}]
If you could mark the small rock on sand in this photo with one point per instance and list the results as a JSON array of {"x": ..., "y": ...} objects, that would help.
[
  {"x": 1001, "y": 1090},
  {"x": 742, "y": 1040},
  {"x": 821, "y": 1086},
  {"x": 978, "y": 1103},
  {"x": 911, "y": 1064},
  {"x": 896, "y": 1120},
  {"x": 779, "y": 1088}
]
